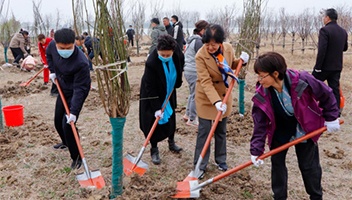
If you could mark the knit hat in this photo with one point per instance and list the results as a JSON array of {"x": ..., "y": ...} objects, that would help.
[{"x": 155, "y": 20}]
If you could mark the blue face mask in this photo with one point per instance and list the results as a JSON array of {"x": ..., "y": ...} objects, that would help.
[
  {"x": 171, "y": 23},
  {"x": 65, "y": 53},
  {"x": 163, "y": 59}
]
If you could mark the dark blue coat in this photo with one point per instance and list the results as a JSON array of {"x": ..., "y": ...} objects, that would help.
[
  {"x": 332, "y": 43},
  {"x": 73, "y": 75}
]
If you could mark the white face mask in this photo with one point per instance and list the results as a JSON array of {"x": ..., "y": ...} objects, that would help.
[{"x": 65, "y": 53}]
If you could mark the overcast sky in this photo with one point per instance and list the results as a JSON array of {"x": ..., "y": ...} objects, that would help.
[{"x": 22, "y": 9}]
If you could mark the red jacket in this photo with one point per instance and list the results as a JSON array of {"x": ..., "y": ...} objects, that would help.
[{"x": 42, "y": 49}]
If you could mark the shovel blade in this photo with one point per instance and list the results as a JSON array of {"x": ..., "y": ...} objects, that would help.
[
  {"x": 130, "y": 166},
  {"x": 191, "y": 176},
  {"x": 187, "y": 189},
  {"x": 94, "y": 181}
]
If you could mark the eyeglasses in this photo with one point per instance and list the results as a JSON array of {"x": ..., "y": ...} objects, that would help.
[{"x": 260, "y": 78}]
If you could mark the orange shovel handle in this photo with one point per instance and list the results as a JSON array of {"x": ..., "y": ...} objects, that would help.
[
  {"x": 274, "y": 151},
  {"x": 31, "y": 79},
  {"x": 150, "y": 134},
  {"x": 72, "y": 123},
  {"x": 218, "y": 116}
]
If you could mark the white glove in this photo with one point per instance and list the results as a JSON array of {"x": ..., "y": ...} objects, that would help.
[
  {"x": 317, "y": 70},
  {"x": 46, "y": 66},
  {"x": 333, "y": 126},
  {"x": 244, "y": 56},
  {"x": 52, "y": 77},
  {"x": 158, "y": 113},
  {"x": 71, "y": 118},
  {"x": 255, "y": 161},
  {"x": 221, "y": 107}
]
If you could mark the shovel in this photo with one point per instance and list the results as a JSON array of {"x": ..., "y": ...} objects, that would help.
[
  {"x": 25, "y": 84},
  {"x": 191, "y": 189},
  {"x": 193, "y": 175},
  {"x": 88, "y": 179},
  {"x": 135, "y": 164}
]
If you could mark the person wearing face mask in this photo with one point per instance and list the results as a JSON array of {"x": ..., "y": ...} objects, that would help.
[
  {"x": 211, "y": 86},
  {"x": 287, "y": 105},
  {"x": 162, "y": 75},
  {"x": 68, "y": 64}
]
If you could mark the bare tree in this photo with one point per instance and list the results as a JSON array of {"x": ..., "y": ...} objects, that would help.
[
  {"x": 58, "y": 18},
  {"x": 138, "y": 18},
  {"x": 250, "y": 28},
  {"x": 292, "y": 29},
  {"x": 114, "y": 88},
  {"x": 156, "y": 7},
  {"x": 283, "y": 23},
  {"x": 39, "y": 23},
  {"x": 78, "y": 19},
  {"x": 304, "y": 26}
]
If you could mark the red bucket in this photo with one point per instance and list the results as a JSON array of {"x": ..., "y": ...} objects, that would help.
[{"x": 13, "y": 115}]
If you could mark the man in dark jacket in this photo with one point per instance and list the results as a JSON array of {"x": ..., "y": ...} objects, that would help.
[
  {"x": 178, "y": 31},
  {"x": 70, "y": 67},
  {"x": 332, "y": 43},
  {"x": 168, "y": 26},
  {"x": 130, "y": 34}
]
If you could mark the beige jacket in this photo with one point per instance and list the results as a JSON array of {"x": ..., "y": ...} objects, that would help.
[
  {"x": 210, "y": 86},
  {"x": 17, "y": 41}
]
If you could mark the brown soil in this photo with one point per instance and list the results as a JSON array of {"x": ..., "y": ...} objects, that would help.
[{"x": 31, "y": 169}]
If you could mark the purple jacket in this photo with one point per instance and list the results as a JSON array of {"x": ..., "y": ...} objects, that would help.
[{"x": 313, "y": 103}]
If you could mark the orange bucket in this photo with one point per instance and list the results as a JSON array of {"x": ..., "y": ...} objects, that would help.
[{"x": 13, "y": 115}]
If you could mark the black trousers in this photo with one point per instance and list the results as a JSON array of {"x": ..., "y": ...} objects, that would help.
[
  {"x": 130, "y": 41},
  {"x": 309, "y": 165},
  {"x": 17, "y": 54},
  {"x": 333, "y": 79},
  {"x": 64, "y": 129}
]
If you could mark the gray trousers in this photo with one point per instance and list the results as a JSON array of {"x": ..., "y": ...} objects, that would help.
[
  {"x": 191, "y": 78},
  {"x": 220, "y": 142}
]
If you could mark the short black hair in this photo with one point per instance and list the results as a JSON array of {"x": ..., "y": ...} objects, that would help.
[
  {"x": 271, "y": 62},
  {"x": 175, "y": 17},
  {"x": 65, "y": 36},
  {"x": 214, "y": 32},
  {"x": 166, "y": 18},
  {"x": 331, "y": 13},
  {"x": 85, "y": 34},
  {"x": 166, "y": 42},
  {"x": 155, "y": 20}
]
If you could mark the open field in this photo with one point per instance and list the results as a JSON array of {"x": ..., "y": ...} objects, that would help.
[{"x": 31, "y": 169}]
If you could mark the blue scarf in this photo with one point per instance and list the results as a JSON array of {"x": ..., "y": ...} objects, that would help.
[{"x": 170, "y": 74}]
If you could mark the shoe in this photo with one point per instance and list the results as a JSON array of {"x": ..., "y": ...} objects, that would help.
[
  {"x": 154, "y": 152},
  {"x": 185, "y": 118},
  {"x": 222, "y": 167},
  {"x": 16, "y": 64},
  {"x": 60, "y": 146},
  {"x": 173, "y": 147},
  {"x": 54, "y": 94},
  {"x": 76, "y": 164},
  {"x": 192, "y": 123},
  {"x": 45, "y": 83},
  {"x": 201, "y": 174}
]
